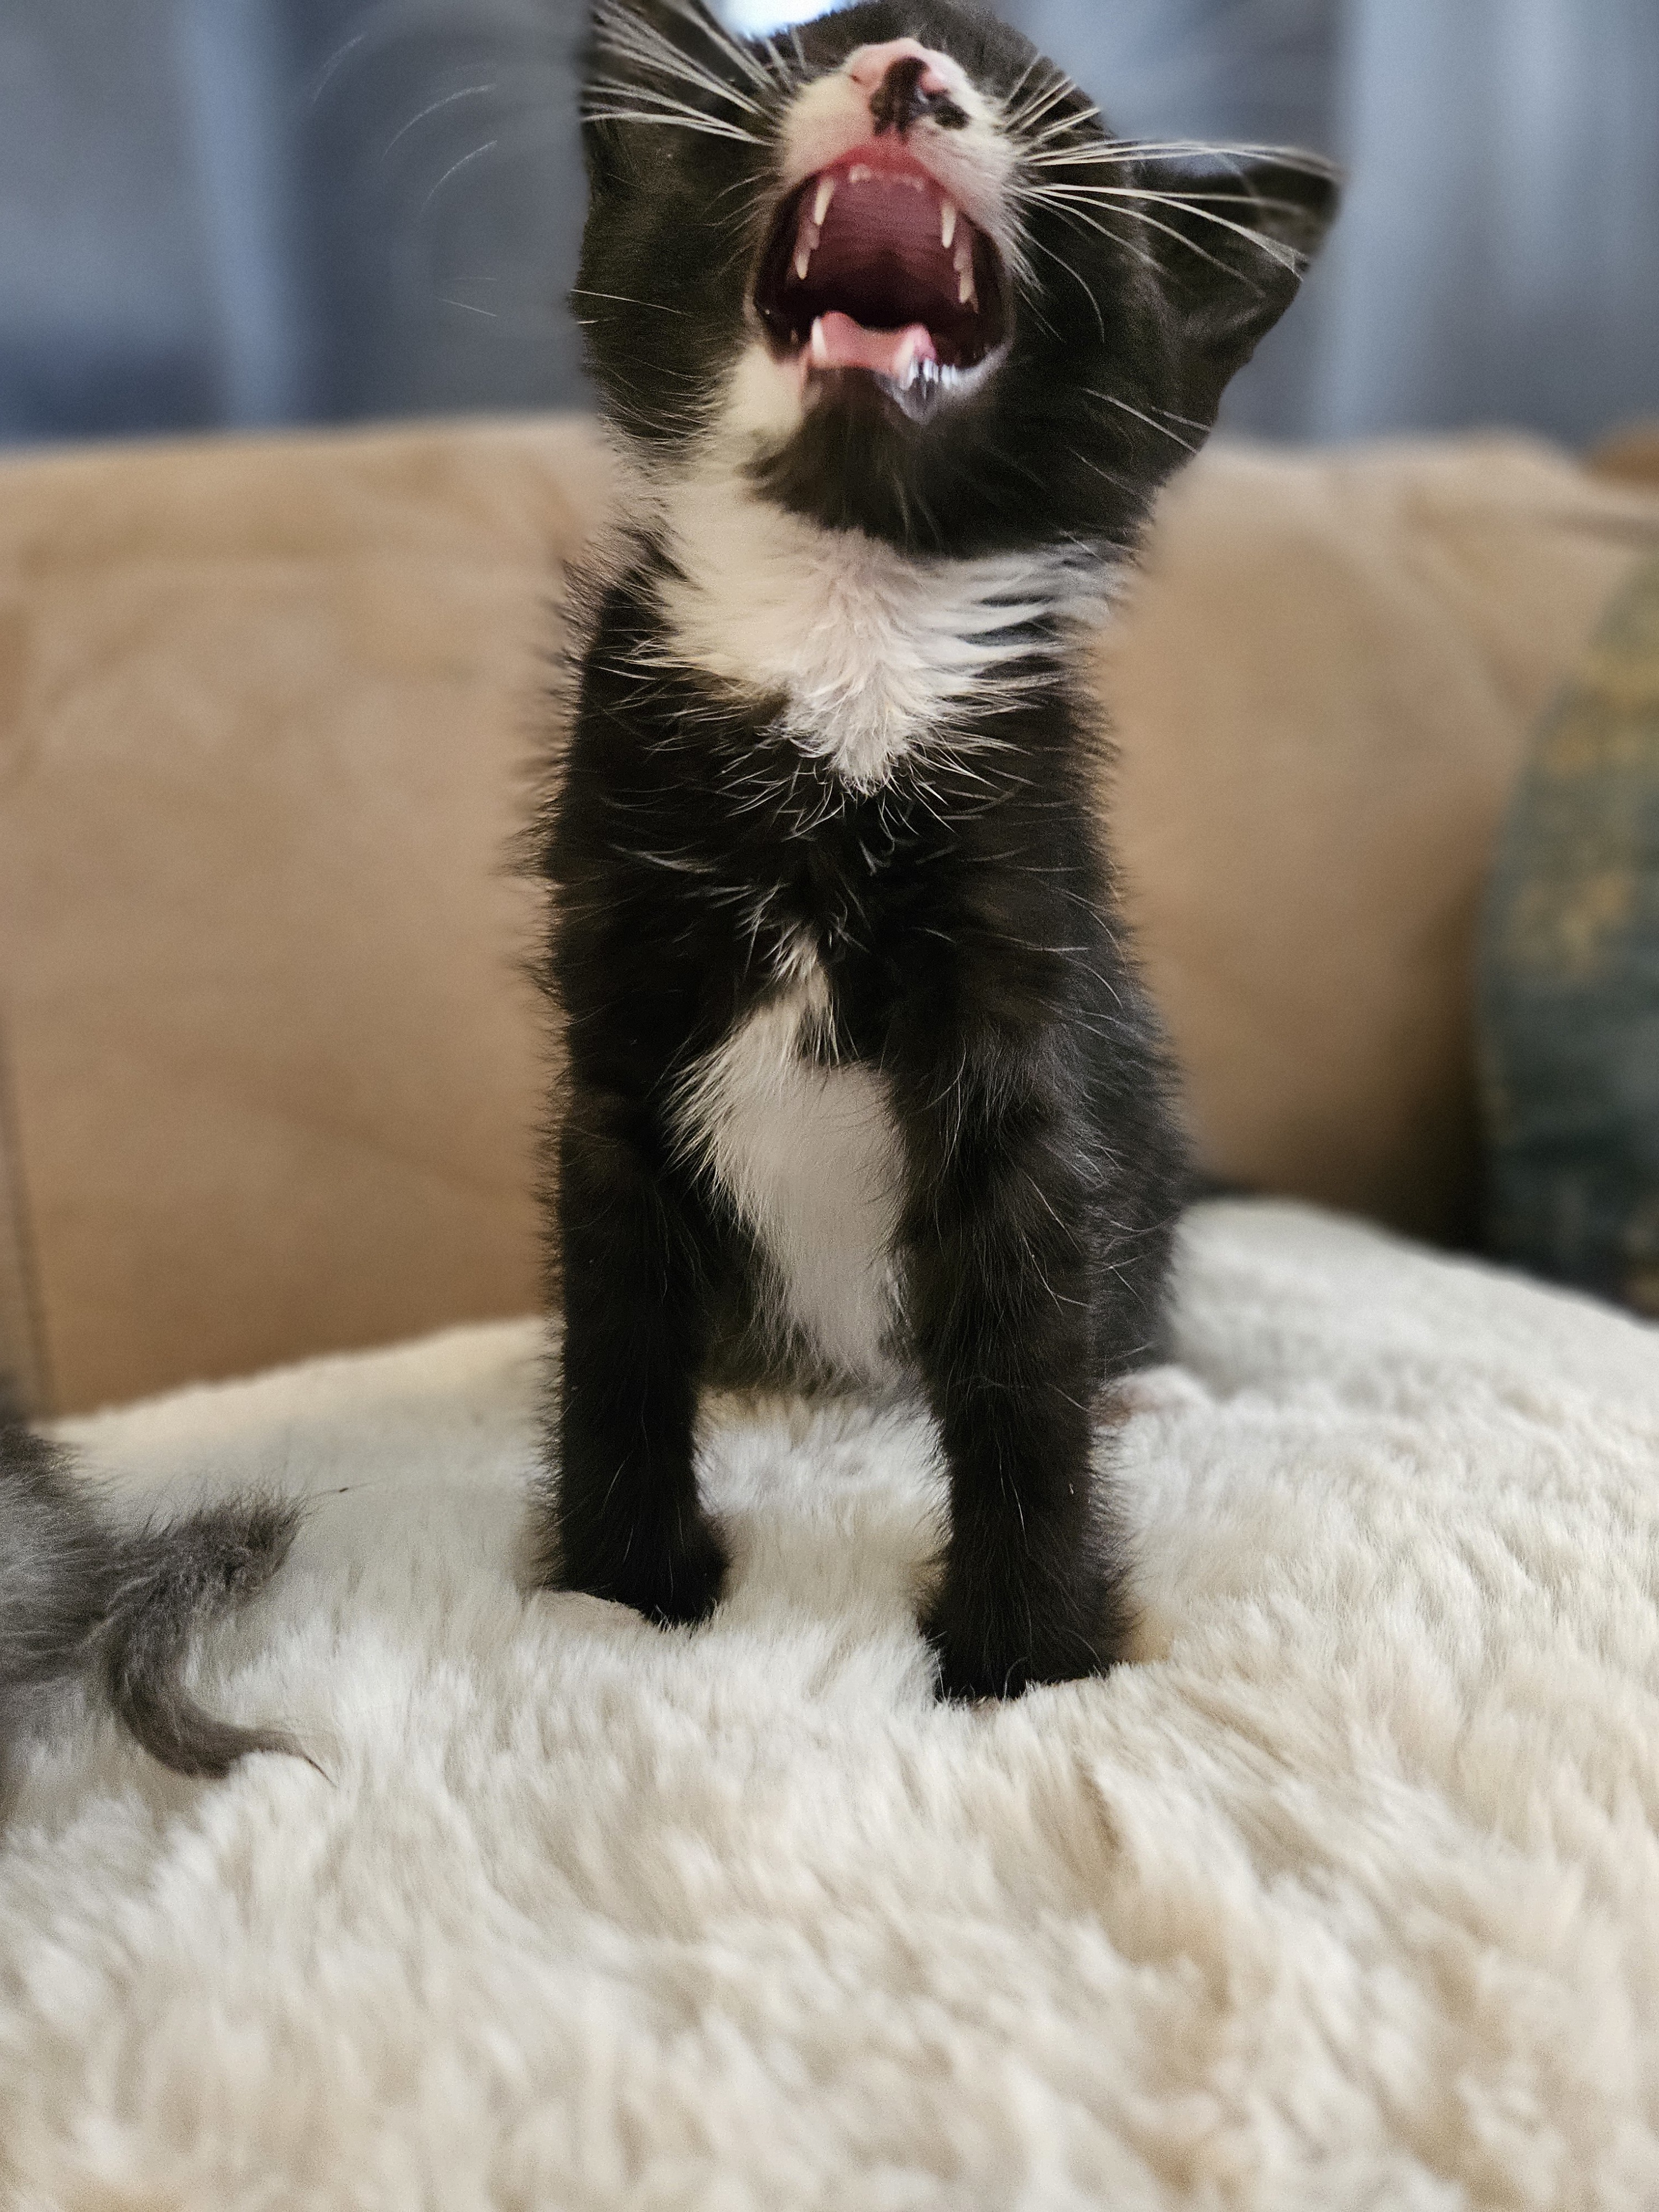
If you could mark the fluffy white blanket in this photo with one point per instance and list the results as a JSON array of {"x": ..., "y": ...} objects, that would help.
[{"x": 1347, "y": 1895}]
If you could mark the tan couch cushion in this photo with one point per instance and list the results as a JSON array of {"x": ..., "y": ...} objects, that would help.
[
  {"x": 1632, "y": 454},
  {"x": 267, "y": 706},
  {"x": 1324, "y": 688},
  {"x": 273, "y": 1081}
]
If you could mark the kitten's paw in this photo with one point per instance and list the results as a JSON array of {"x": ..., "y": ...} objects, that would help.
[
  {"x": 999, "y": 1643},
  {"x": 675, "y": 1582}
]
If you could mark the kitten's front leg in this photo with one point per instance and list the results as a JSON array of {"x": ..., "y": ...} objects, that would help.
[
  {"x": 1000, "y": 1274},
  {"x": 625, "y": 1520}
]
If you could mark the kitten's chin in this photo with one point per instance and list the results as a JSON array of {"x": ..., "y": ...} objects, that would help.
[{"x": 920, "y": 392}]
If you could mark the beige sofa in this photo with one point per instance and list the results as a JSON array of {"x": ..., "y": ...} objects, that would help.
[{"x": 271, "y": 1079}]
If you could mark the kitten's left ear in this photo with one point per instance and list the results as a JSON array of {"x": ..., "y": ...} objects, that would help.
[
  {"x": 650, "y": 11},
  {"x": 1234, "y": 245},
  {"x": 652, "y": 60},
  {"x": 673, "y": 18}
]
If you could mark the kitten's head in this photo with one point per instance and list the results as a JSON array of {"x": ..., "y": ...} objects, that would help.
[{"x": 895, "y": 271}]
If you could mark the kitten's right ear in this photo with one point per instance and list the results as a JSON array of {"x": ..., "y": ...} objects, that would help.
[{"x": 1234, "y": 241}]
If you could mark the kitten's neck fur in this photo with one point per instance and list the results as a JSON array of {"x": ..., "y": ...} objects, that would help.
[{"x": 871, "y": 654}]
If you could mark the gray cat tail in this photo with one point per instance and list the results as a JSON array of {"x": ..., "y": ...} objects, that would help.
[{"x": 83, "y": 1600}]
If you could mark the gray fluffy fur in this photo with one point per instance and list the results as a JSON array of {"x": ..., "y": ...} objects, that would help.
[{"x": 84, "y": 1601}]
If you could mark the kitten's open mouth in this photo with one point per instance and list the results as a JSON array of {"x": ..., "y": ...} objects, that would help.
[{"x": 872, "y": 265}]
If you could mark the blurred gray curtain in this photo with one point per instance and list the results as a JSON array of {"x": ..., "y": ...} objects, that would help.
[
  {"x": 261, "y": 211},
  {"x": 247, "y": 211},
  {"x": 441, "y": 188},
  {"x": 1497, "y": 259},
  {"x": 1499, "y": 256}
]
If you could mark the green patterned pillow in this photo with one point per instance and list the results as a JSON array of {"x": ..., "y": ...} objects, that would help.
[{"x": 1569, "y": 980}]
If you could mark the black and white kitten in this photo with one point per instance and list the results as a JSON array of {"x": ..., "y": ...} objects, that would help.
[{"x": 900, "y": 343}]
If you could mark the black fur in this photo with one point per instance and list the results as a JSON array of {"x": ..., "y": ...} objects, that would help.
[
  {"x": 84, "y": 1601},
  {"x": 962, "y": 910}
]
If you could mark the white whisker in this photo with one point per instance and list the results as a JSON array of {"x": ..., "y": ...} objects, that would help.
[
  {"x": 1190, "y": 422},
  {"x": 781, "y": 70},
  {"x": 1038, "y": 148},
  {"x": 674, "y": 113},
  {"x": 704, "y": 20},
  {"x": 466, "y": 92},
  {"x": 632, "y": 40},
  {"x": 1045, "y": 102},
  {"x": 664, "y": 103},
  {"x": 1065, "y": 265},
  {"x": 1275, "y": 250},
  {"x": 455, "y": 168},
  {"x": 1080, "y": 214},
  {"x": 1147, "y": 258},
  {"x": 1055, "y": 85},
  {"x": 341, "y": 54},
  {"x": 1011, "y": 97},
  {"x": 622, "y": 299},
  {"x": 1126, "y": 154},
  {"x": 1111, "y": 399}
]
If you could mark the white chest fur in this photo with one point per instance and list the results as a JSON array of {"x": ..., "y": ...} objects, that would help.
[
  {"x": 870, "y": 649},
  {"x": 810, "y": 1157}
]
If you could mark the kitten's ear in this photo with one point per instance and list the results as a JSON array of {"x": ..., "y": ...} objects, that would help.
[
  {"x": 662, "y": 14},
  {"x": 1234, "y": 244},
  {"x": 622, "y": 37},
  {"x": 677, "y": 20}
]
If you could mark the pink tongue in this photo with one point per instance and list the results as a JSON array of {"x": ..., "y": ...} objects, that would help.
[{"x": 840, "y": 343}]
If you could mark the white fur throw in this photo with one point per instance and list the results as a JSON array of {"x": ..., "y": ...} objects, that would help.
[{"x": 1347, "y": 1896}]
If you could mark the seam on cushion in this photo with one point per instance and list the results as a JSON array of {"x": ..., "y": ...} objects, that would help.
[{"x": 22, "y": 1333}]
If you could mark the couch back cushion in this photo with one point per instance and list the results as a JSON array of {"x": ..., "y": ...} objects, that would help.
[
  {"x": 1325, "y": 687},
  {"x": 271, "y": 1079}
]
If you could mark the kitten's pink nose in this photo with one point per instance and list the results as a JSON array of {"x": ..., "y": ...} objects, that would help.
[{"x": 869, "y": 67}]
